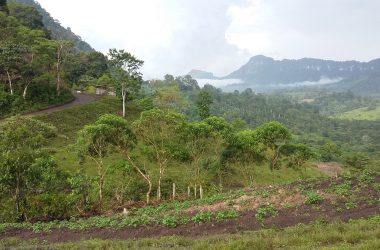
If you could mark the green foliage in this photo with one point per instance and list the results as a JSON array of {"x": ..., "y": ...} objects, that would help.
[
  {"x": 23, "y": 163},
  {"x": 264, "y": 211},
  {"x": 202, "y": 217},
  {"x": 351, "y": 205},
  {"x": 343, "y": 189},
  {"x": 203, "y": 104},
  {"x": 329, "y": 151},
  {"x": 4, "y": 6},
  {"x": 226, "y": 215},
  {"x": 313, "y": 198}
]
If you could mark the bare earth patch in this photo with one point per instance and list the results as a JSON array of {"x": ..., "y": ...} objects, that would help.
[{"x": 330, "y": 168}]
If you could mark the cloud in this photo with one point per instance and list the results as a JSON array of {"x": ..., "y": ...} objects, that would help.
[
  {"x": 327, "y": 29},
  {"x": 175, "y": 36}
]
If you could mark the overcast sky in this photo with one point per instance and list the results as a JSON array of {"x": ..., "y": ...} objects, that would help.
[{"x": 175, "y": 36}]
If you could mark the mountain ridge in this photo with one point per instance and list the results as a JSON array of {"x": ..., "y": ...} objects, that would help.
[{"x": 58, "y": 32}]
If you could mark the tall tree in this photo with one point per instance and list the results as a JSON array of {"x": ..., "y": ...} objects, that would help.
[
  {"x": 94, "y": 142},
  {"x": 125, "y": 140},
  {"x": 125, "y": 68},
  {"x": 160, "y": 130}
]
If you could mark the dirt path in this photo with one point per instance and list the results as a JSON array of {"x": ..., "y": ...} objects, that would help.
[
  {"x": 80, "y": 99},
  {"x": 246, "y": 222}
]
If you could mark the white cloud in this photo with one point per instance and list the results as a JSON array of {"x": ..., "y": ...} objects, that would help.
[{"x": 174, "y": 36}]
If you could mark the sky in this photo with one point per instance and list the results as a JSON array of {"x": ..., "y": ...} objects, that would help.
[{"x": 219, "y": 36}]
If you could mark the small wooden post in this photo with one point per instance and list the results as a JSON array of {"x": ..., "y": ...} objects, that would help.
[
  {"x": 195, "y": 191},
  {"x": 188, "y": 192},
  {"x": 173, "y": 191},
  {"x": 201, "y": 192}
]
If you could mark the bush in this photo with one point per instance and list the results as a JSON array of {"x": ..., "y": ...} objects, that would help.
[
  {"x": 313, "y": 198},
  {"x": 226, "y": 215},
  {"x": 202, "y": 217},
  {"x": 264, "y": 211}
]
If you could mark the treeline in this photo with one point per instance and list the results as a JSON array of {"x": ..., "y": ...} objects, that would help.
[
  {"x": 35, "y": 70},
  {"x": 305, "y": 113}
]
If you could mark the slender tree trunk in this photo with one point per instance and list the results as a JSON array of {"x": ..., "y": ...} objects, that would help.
[
  {"x": 59, "y": 58},
  {"x": 174, "y": 191},
  {"x": 25, "y": 90},
  {"x": 146, "y": 177},
  {"x": 159, "y": 184},
  {"x": 149, "y": 191},
  {"x": 10, "y": 82},
  {"x": 124, "y": 96},
  {"x": 101, "y": 185}
]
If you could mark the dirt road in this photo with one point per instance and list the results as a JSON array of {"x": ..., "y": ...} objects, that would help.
[{"x": 80, "y": 99}]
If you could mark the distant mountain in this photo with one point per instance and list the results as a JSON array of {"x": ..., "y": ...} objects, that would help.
[
  {"x": 199, "y": 74},
  {"x": 263, "y": 74},
  {"x": 266, "y": 70},
  {"x": 53, "y": 25}
]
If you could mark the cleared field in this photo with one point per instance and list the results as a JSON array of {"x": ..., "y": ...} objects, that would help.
[{"x": 361, "y": 114}]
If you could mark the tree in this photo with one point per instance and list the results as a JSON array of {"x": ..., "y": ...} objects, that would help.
[
  {"x": 198, "y": 138},
  {"x": 329, "y": 151},
  {"x": 94, "y": 142},
  {"x": 244, "y": 148},
  {"x": 273, "y": 136},
  {"x": 125, "y": 140},
  {"x": 204, "y": 102},
  {"x": 168, "y": 95},
  {"x": 297, "y": 155},
  {"x": 27, "y": 15},
  {"x": 159, "y": 130},
  {"x": 11, "y": 60},
  {"x": 124, "y": 69},
  {"x": 4, "y": 6},
  {"x": 21, "y": 149}
]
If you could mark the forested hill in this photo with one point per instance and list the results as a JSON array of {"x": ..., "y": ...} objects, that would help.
[
  {"x": 36, "y": 70},
  {"x": 56, "y": 30},
  {"x": 266, "y": 70}
]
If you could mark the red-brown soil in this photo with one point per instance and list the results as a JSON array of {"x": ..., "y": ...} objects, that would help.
[{"x": 246, "y": 221}]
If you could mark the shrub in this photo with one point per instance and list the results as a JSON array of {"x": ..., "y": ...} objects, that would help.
[
  {"x": 226, "y": 215},
  {"x": 264, "y": 211},
  {"x": 313, "y": 198},
  {"x": 202, "y": 217},
  {"x": 170, "y": 221}
]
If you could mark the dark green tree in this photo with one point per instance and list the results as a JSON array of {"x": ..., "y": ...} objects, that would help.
[{"x": 4, "y": 6}]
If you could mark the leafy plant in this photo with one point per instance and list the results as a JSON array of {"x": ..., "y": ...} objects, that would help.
[
  {"x": 351, "y": 205},
  {"x": 170, "y": 221},
  {"x": 202, "y": 217},
  {"x": 226, "y": 215},
  {"x": 313, "y": 198},
  {"x": 264, "y": 211}
]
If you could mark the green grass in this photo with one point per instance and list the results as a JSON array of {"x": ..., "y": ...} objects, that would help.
[
  {"x": 361, "y": 114},
  {"x": 356, "y": 234}
]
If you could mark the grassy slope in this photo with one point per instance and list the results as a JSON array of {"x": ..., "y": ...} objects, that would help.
[{"x": 361, "y": 114}]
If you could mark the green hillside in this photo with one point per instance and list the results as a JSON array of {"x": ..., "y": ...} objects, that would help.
[{"x": 369, "y": 114}]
